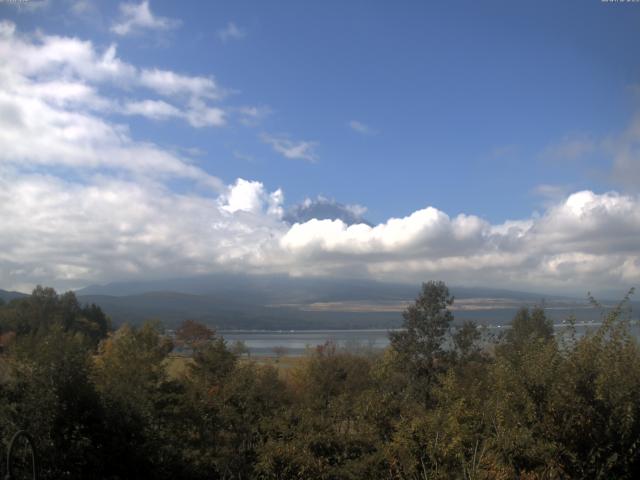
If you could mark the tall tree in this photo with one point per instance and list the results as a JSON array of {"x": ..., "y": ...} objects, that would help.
[{"x": 419, "y": 345}]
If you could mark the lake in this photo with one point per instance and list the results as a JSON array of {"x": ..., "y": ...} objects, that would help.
[{"x": 296, "y": 342}]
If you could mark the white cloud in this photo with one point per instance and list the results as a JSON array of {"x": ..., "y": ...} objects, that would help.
[
  {"x": 44, "y": 56},
  {"x": 54, "y": 114},
  {"x": 155, "y": 109},
  {"x": 68, "y": 233},
  {"x": 360, "y": 127},
  {"x": 34, "y": 133},
  {"x": 231, "y": 32},
  {"x": 200, "y": 114},
  {"x": 168, "y": 83},
  {"x": 135, "y": 17},
  {"x": 586, "y": 241},
  {"x": 296, "y": 150},
  {"x": 197, "y": 113},
  {"x": 65, "y": 233},
  {"x": 250, "y": 196}
]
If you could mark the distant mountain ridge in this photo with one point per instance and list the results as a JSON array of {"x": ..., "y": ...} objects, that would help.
[
  {"x": 281, "y": 302},
  {"x": 278, "y": 289},
  {"x": 7, "y": 296},
  {"x": 235, "y": 301}
]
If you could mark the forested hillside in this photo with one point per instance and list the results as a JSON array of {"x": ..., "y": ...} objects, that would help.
[{"x": 440, "y": 402}]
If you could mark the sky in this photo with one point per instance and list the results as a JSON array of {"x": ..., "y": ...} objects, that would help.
[{"x": 492, "y": 143}]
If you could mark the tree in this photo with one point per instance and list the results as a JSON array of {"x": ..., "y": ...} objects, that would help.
[
  {"x": 50, "y": 394},
  {"x": 466, "y": 339},
  {"x": 327, "y": 433},
  {"x": 240, "y": 348},
  {"x": 212, "y": 361},
  {"x": 130, "y": 375},
  {"x": 419, "y": 345},
  {"x": 528, "y": 327},
  {"x": 194, "y": 335},
  {"x": 45, "y": 309},
  {"x": 530, "y": 324}
]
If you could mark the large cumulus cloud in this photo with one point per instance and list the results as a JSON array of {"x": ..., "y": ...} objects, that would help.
[
  {"x": 71, "y": 234},
  {"x": 585, "y": 241}
]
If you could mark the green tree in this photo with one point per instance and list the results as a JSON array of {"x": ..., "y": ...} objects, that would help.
[
  {"x": 465, "y": 341},
  {"x": 527, "y": 327},
  {"x": 419, "y": 345},
  {"x": 327, "y": 433},
  {"x": 528, "y": 324},
  {"x": 44, "y": 309},
  {"x": 130, "y": 375},
  {"x": 50, "y": 394}
]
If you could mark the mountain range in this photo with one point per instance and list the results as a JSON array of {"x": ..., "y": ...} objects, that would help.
[{"x": 281, "y": 302}]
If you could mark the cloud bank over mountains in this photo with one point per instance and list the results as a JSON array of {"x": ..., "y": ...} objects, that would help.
[
  {"x": 72, "y": 234},
  {"x": 83, "y": 201}
]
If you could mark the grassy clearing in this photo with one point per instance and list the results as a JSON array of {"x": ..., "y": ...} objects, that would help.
[
  {"x": 284, "y": 365},
  {"x": 177, "y": 365}
]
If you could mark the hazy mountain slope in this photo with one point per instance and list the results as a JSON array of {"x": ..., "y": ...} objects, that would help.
[
  {"x": 283, "y": 302},
  {"x": 171, "y": 308},
  {"x": 7, "y": 296},
  {"x": 279, "y": 289},
  {"x": 280, "y": 302}
]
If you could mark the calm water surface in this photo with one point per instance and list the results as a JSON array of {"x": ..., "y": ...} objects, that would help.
[{"x": 297, "y": 342}]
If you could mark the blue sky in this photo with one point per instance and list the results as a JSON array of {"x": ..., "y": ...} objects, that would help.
[
  {"x": 499, "y": 110},
  {"x": 463, "y": 98}
]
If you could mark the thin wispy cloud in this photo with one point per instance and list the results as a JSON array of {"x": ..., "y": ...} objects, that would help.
[
  {"x": 136, "y": 17},
  {"x": 621, "y": 148},
  {"x": 624, "y": 147},
  {"x": 58, "y": 115},
  {"x": 551, "y": 194},
  {"x": 81, "y": 7},
  {"x": 570, "y": 148},
  {"x": 198, "y": 114},
  {"x": 231, "y": 32},
  {"x": 169, "y": 83},
  {"x": 154, "y": 109},
  {"x": 361, "y": 128},
  {"x": 245, "y": 157},
  {"x": 30, "y": 6},
  {"x": 252, "y": 115},
  {"x": 295, "y": 150}
]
